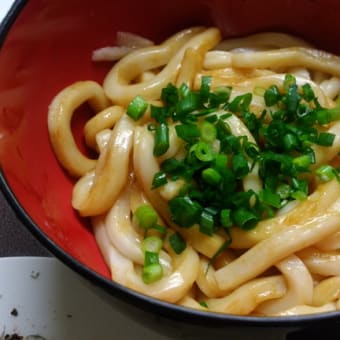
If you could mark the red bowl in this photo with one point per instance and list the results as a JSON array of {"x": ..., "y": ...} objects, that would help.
[{"x": 47, "y": 45}]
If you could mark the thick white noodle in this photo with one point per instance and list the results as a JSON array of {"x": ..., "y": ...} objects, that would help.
[
  {"x": 244, "y": 299},
  {"x": 287, "y": 241},
  {"x": 171, "y": 288},
  {"x": 96, "y": 195},
  {"x": 299, "y": 287},
  {"x": 60, "y": 114},
  {"x": 118, "y": 84}
]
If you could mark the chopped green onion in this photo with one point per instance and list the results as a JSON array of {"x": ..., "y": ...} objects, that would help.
[
  {"x": 242, "y": 198},
  {"x": 240, "y": 103},
  {"x": 189, "y": 103},
  {"x": 159, "y": 179},
  {"x": 300, "y": 187},
  {"x": 162, "y": 142},
  {"x": 215, "y": 161},
  {"x": 159, "y": 114},
  {"x": 226, "y": 220},
  {"x": 220, "y": 95},
  {"x": 169, "y": 95},
  {"x": 292, "y": 99},
  {"x": 206, "y": 223},
  {"x": 222, "y": 128},
  {"x": 270, "y": 198},
  {"x": 205, "y": 87},
  {"x": 184, "y": 211},
  {"x": 137, "y": 108},
  {"x": 244, "y": 218},
  {"x": 326, "y": 173},
  {"x": 152, "y": 244},
  {"x": 211, "y": 176},
  {"x": 152, "y": 270},
  {"x": 173, "y": 166},
  {"x": 146, "y": 216},
  {"x": 299, "y": 195},
  {"x": 283, "y": 190},
  {"x": 272, "y": 95},
  {"x": 220, "y": 162},
  {"x": 202, "y": 151},
  {"x": 203, "y": 304},
  {"x": 211, "y": 118},
  {"x": 251, "y": 149},
  {"x": 152, "y": 273},
  {"x": 288, "y": 81},
  {"x": 184, "y": 90},
  {"x": 325, "y": 116},
  {"x": 160, "y": 228},
  {"x": 188, "y": 132},
  {"x": 207, "y": 132},
  {"x": 307, "y": 92},
  {"x": 177, "y": 243},
  {"x": 240, "y": 165},
  {"x": 290, "y": 141},
  {"x": 302, "y": 162},
  {"x": 151, "y": 257},
  {"x": 326, "y": 139}
]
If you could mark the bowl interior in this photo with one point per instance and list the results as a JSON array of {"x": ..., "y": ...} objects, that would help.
[{"x": 49, "y": 46}]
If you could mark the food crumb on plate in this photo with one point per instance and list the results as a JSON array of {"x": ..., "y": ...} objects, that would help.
[
  {"x": 16, "y": 336},
  {"x": 13, "y": 336},
  {"x": 34, "y": 274},
  {"x": 14, "y": 312}
]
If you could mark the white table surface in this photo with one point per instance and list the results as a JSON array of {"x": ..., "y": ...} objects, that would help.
[{"x": 4, "y": 7}]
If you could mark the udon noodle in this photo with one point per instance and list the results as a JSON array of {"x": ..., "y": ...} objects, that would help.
[{"x": 289, "y": 263}]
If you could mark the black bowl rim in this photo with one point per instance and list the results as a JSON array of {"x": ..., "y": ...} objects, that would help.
[{"x": 146, "y": 303}]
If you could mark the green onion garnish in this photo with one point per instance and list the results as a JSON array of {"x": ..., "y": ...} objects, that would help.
[
  {"x": 159, "y": 179},
  {"x": 161, "y": 140},
  {"x": 272, "y": 95},
  {"x": 226, "y": 220},
  {"x": 240, "y": 165},
  {"x": 170, "y": 95},
  {"x": 290, "y": 141},
  {"x": 208, "y": 132},
  {"x": 146, "y": 216},
  {"x": 206, "y": 223},
  {"x": 152, "y": 273},
  {"x": 270, "y": 198},
  {"x": 216, "y": 162},
  {"x": 152, "y": 244},
  {"x": 188, "y": 132},
  {"x": 302, "y": 162},
  {"x": 245, "y": 218},
  {"x": 205, "y": 87},
  {"x": 211, "y": 176},
  {"x": 326, "y": 139},
  {"x": 137, "y": 108},
  {"x": 240, "y": 103},
  {"x": 152, "y": 270},
  {"x": 150, "y": 258},
  {"x": 177, "y": 243},
  {"x": 326, "y": 173},
  {"x": 202, "y": 151},
  {"x": 307, "y": 92},
  {"x": 184, "y": 211},
  {"x": 203, "y": 304}
]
